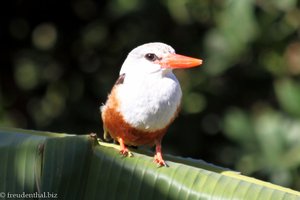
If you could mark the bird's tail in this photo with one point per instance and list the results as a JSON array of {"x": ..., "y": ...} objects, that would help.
[{"x": 106, "y": 135}]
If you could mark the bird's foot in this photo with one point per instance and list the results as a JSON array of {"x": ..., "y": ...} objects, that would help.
[
  {"x": 123, "y": 149},
  {"x": 159, "y": 161},
  {"x": 126, "y": 153},
  {"x": 158, "y": 155}
]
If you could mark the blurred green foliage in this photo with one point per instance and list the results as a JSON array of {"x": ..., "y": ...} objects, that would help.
[{"x": 59, "y": 60}]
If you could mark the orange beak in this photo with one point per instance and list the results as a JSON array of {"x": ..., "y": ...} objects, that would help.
[{"x": 174, "y": 61}]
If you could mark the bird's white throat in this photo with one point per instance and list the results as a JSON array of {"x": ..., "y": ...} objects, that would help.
[{"x": 149, "y": 101}]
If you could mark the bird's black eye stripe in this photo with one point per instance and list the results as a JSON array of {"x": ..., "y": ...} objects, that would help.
[{"x": 151, "y": 57}]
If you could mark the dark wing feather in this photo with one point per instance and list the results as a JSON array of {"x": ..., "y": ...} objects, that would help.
[{"x": 120, "y": 79}]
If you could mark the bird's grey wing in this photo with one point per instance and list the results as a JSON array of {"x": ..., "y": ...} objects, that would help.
[{"x": 120, "y": 79}]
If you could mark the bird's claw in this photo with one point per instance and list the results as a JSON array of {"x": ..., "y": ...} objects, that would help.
[
  {"x": 126, "y": 153},
  {"x": 159, "y": 161},
  {"x": 123, "y": 149}
]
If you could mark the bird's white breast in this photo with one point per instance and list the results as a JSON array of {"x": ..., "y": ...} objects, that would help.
[{"x": 149, "y": 102}]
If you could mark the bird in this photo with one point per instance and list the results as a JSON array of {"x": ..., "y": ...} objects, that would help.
[{"x": 146, "y": 98}]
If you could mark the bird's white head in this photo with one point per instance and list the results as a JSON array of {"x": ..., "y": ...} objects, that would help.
[{"x": 155, "y": 57}]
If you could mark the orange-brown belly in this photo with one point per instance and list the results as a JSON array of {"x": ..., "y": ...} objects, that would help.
[{"x": 118, "y": 128}]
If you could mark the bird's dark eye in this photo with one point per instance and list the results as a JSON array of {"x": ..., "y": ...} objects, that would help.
[{"x": 151, "y": 57}]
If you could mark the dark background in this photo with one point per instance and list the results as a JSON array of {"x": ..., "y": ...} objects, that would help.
[{"x": 241, "y": 109}]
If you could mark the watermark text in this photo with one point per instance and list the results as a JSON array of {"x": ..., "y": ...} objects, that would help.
[{"x": 23, "y": 195}]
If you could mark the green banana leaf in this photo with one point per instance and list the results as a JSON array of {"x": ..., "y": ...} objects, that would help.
[{"x": 44, "y": 165}]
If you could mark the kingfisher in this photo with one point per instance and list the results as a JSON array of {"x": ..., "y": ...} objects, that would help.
[{"x": 146, "y": 98}]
